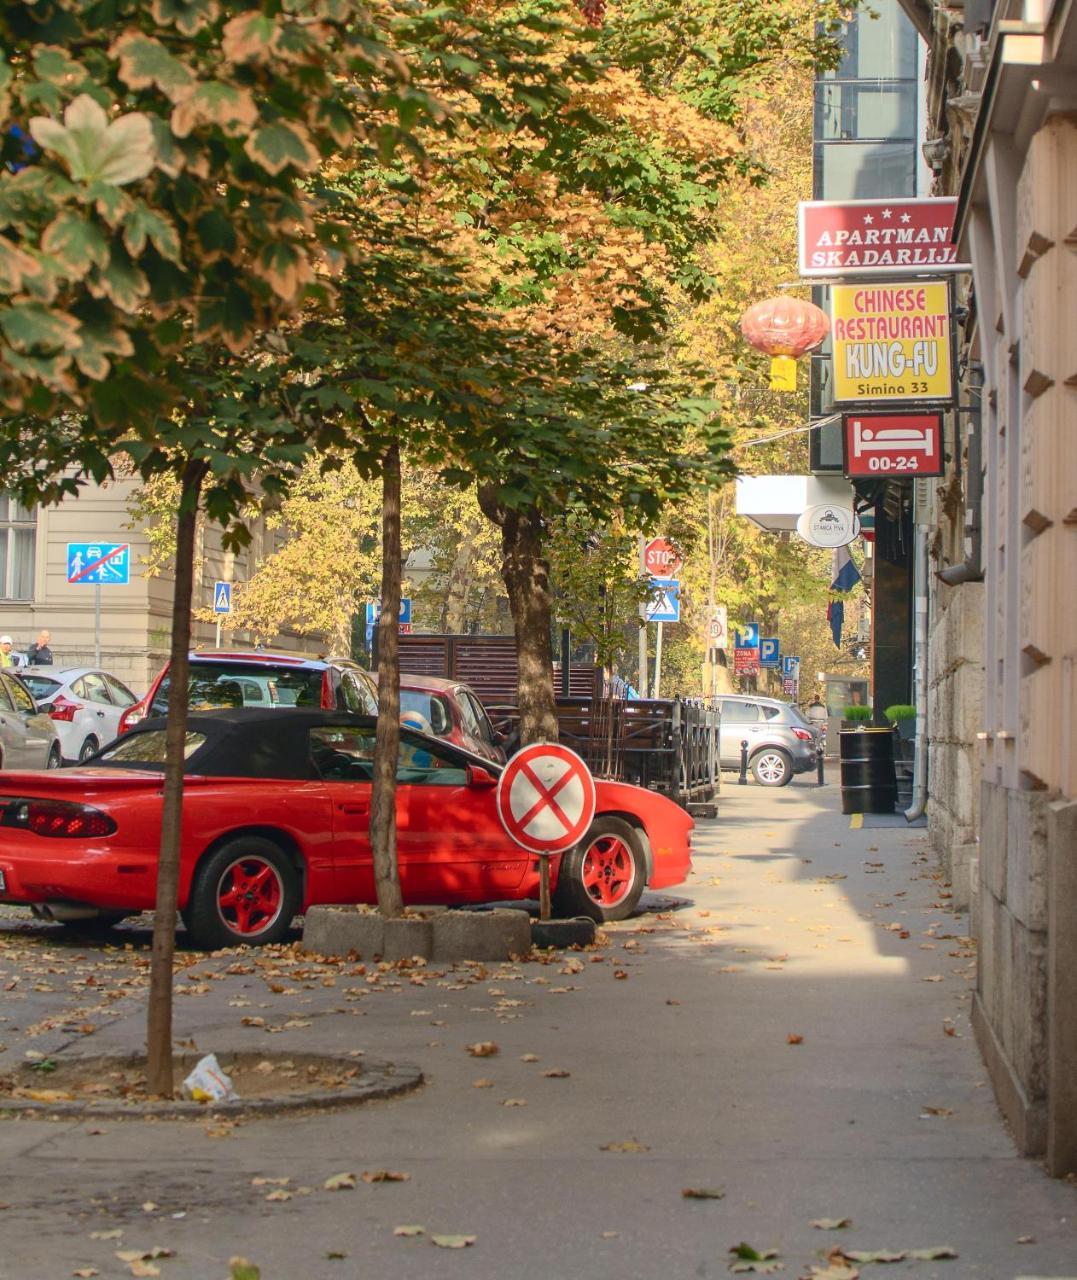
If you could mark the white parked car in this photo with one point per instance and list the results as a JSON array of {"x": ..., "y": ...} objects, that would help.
[
  {"x": 84, "y": 704},
  {"x": 28, "y": 738}
]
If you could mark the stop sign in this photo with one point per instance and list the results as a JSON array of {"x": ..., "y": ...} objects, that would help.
[{"x": 661, "y": 558}]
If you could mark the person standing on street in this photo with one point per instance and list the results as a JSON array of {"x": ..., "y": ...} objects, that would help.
[
  {"x": 7, "y": 658},
  {"x": 39, "y": 654}
]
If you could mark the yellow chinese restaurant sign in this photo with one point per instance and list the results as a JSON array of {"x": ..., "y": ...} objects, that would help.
[{"x": 892, "y": 341}]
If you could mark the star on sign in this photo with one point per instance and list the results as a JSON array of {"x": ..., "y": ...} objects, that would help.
[
  {"x": 887, "y": 213},
  {"x": 906, "y": 217},
  {"x": 868, "y": 219}
]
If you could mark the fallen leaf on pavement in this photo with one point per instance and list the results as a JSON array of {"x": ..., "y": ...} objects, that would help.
[
  {"x": 703, "y": 1193},
  {"x": 932, "y": 1254},
  {"x": 514, "y": 1102},
  {"x": 482, "y": 1084},
  {"x": 385, "y": 1175},
  {"x": 874, "y": 1255},
  {"x": 340, "y": 1182},
  {"x": 1026, "y": 1239},
  {"x": 270, "y": 1182},
  {"x": 279, "y": 1194},
  {"x": 244, "y": 1270},
  {"x": 114, "y": 1234},
  {"x": 557, "y": 1073},
  {"x": 831, "y": 1224},
  {"x": 760, "y": 1261},
  {"x": 793, "y": 1038},
  {"x": 453, "y": 1242},
  {"x": 483, "y": 1049},
  {"x": 529, "y": 1057},
  {"x": 631, "y": 1145},
  {"x": 144, "y": 1255},
  {"x": 936, "y": 977},
  {"x": 409, "y": 1231},
  {"x": 86, "y": 1272},
  {"x": 837, "y": 1270},
  {"x": 935, "y": 1111},
  {"x": 336, "y": 1253}
]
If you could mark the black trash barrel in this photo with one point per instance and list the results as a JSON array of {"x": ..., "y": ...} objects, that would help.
[{"x": 868, "y": 783}]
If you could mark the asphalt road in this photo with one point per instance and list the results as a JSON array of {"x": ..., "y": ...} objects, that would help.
[{"x": 791, "y": 1030}]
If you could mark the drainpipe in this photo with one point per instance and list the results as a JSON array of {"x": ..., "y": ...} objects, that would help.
[{"x": 919, "y": 587}]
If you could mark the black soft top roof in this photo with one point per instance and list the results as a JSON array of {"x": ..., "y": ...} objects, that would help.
[{"x": 254, "y": 742}]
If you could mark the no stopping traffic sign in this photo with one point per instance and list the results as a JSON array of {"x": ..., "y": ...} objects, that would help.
[{"x": 545, "y": 798}]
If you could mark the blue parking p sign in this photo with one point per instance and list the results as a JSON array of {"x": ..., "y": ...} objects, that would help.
[
  {"x": 749, "y": 637},
  {"x": 790, "y": 663},
  {"x": 769, "y": 651}
]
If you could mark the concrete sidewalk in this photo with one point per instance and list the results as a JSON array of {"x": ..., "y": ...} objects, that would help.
[{"x": 676, "y": 1037}]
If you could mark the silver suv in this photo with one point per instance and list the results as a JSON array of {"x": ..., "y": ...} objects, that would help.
[{"x": 781, "y": 741}]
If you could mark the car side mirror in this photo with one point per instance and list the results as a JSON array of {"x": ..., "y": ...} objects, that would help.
[{"x": 477, "y": 776}]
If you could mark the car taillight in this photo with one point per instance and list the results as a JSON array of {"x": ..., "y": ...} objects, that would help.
[
  {"x": 804, "y": 735},
  {"x": 55, "y": 818},
  {"x": 327, "y": 692},
  {"x": 131, "y": 717},
  {"x": 61, "y": 709}
]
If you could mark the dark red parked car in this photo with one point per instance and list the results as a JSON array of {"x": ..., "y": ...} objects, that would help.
[
  {"x": 451, "y": 710},
  {"x": 261, "y": 678}
]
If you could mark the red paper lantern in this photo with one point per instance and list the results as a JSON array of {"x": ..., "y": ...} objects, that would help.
[{"x": 784, "y": 328}]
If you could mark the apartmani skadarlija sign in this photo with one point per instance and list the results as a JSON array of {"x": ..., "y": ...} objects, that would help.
[{"x": 877, "y": 237}]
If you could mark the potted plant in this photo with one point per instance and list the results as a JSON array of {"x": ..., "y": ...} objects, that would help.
[
  {"x": 856, "y": 717},
  {"x": 868, "y": 780},
  {"x": 903, "y": 718}
]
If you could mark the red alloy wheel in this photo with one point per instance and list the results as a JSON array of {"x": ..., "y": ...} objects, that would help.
[
  {"x": 250, "y": 895},
  {"x": 608, "y": 870}
]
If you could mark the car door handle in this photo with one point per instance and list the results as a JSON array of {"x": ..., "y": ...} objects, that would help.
[
  {"x": 101, "y": 714},
  {"x": 354, "y": 808}
]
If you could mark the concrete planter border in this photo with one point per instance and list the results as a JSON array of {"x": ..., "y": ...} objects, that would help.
[
  {"x": 376, "y": 1080},
  {"x": 431, "y": 933}
]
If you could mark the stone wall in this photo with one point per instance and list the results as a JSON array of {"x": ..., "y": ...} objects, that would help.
[
  {"x": 955, "y": 716},
  {"x": 1010, "y": 1006}
]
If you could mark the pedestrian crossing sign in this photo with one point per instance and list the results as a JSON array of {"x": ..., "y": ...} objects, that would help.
[{"x": 222, "y": 597}]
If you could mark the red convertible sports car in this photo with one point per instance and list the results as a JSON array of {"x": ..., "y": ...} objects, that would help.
[{"x": 275, "y": 819}]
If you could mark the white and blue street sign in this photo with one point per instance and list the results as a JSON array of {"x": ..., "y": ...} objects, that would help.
[
  {"x": 373, "y": 612},
  {"x": 749, "y": 637},
  {"x": 769, "y": 651},
  {"x": 665, "y": 602},
  {"x": 790, "y": 666},
  {"x": 222, "y": 597},
  {"x": 97, "y": 564}
]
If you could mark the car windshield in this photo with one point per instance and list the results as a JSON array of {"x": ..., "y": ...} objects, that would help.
[
  {"x": 40, "y": 686},
  {"x": 213, "y": 685},
  {"x": 431, "y": 708},
  {"x": 146, "y": 748}
]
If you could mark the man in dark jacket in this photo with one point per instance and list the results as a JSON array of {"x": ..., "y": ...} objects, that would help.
[{"x": 39, "y": 654}]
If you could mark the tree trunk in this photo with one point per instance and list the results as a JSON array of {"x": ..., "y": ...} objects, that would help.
[
  {"x": 387, "y": 744},
  {"x": 527, "y": 578},
  {"x": 159, "y": 1079}
]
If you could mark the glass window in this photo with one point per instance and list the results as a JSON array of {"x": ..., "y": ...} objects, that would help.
[
  {"x": 740, "y": 712},
  {"x": 213, "y": 685},
  {"x": 771, "y": 713},
  {"x": 357, "y": 695},
  {"x": 847, "y": 111},
  {"x": 467, "y": 714},
  {"x": 121, "y": 695},
  {"x": 342, "y": 754},
  {"x": 864, "y": 170},
  {"x": 19, "y": 695},
  {"x": 41, "y": 687},
  {"x": 433, "y": 710},
  {"x": 18, "y": 536},
  {"x": 147, "y": 748},
  {"x": 425, "y": 763},
  {"x": 5, "y": 698},
  {"x": 95, "y": 688}
]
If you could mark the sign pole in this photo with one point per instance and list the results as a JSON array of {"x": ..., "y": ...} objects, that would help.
[
  {"x": 643, "y": 622},
  {"x": 218, "y": 645},
  {"x": 658, "y": 664},
  {"x": 544, "y": 886},
  {"x": 97, "y": 623}
]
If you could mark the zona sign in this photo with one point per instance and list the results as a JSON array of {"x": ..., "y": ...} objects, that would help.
[{"x": 545, "y": 798}]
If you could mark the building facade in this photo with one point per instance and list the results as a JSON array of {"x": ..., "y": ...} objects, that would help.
[
  {"x": 1003, "y": 138},
  {"x": 132, "y": 641}
]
